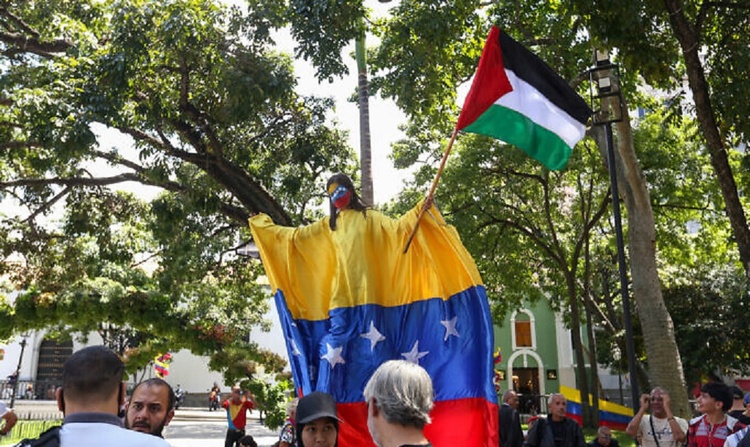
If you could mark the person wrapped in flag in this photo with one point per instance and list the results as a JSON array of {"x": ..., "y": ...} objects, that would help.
[{"x": 349, "y": 299}]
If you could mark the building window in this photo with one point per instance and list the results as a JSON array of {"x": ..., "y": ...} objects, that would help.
[
  {"x": 522, "y": 324},
  {"x": 523, "y": 334}
]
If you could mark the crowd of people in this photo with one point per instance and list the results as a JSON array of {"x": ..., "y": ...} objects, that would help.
[
  {"x": 399, "y": 398},
  {"x": 95, "y": 412},
  {"x": 721, "y": 421}
]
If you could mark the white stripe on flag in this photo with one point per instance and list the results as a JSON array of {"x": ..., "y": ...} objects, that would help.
[{"x": 528, "y": 101}]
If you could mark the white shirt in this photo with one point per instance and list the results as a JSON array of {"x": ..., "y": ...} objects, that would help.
[
  {"x": 735, "y": 438},
  {"x": 97, "y": 429},
  {"x": 663, "y": 432},
  {"x": 3, "y": 408}
]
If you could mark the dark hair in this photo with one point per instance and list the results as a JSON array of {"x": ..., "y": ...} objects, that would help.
[
  {"x": 247, "y": 440},
  {"x": 355, "y": 203},
  {"x": 92, "y": 373},
  {"x": 720, "y": 392},
  {"x": 312, "y": 407},
  {"x": 157, "y": 382}
]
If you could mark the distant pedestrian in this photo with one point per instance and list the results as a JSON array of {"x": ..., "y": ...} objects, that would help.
[
  {"x": 237, "y": 406},
  {"x": 511, "y": 433},
  {"x": 661, "y": 428},
  {"x": 604, "y": 438},
  {"x": 713, "y": 426}
]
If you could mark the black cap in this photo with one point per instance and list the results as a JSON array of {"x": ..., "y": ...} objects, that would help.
[
  {"x": 314, "y": 406},
  {"x": 737, "y": 392}
]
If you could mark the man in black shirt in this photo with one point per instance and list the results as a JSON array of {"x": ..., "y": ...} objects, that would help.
[{"x": 556, "y": 430}]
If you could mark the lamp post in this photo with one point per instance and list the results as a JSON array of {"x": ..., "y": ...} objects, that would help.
[
  {"x": 17, "y": 373},
  {"x": 606, "y": 99}
]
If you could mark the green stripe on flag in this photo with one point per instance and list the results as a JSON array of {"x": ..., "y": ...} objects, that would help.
[{"x": 515, "y": 128}]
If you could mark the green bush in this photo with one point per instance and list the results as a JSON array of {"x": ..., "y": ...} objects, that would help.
[{"x": 27, "y": 430}]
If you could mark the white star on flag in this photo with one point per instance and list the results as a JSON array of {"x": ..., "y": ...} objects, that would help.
[
  {"x": 414, "y": 355},
  {"x": 450, "y": 327},
  {"x": 373, "y": 335},
  {"x": 333, "y": 355},
  {"x": 295, "y": 350}
]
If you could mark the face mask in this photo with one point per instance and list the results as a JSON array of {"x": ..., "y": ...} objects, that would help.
[{"x": 340, "y": 197}]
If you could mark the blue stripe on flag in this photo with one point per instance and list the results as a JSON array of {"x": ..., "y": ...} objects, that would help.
[{"x": 460, "y": 366}]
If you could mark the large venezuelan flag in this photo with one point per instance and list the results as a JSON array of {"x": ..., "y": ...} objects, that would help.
[
  {"x": 612, "y": 415},
  {"x": 349, "y": 300}
]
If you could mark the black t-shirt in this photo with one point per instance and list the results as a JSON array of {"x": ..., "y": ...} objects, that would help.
[
  {"x": 558, "y": 432},
  {"x": 737, "y": 414}
]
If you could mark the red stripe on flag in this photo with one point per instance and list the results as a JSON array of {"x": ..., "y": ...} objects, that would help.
[
  {"x": 489, "y": 84},
  {"x": 454, "y": 423}
]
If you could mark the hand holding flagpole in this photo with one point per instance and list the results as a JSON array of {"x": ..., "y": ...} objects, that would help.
[{"x": 431, "y": 194}]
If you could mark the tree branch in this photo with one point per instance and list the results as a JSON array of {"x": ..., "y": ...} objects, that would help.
[
  {"x": 27, "y": 44},
  {"x": 72, "y": 181}
]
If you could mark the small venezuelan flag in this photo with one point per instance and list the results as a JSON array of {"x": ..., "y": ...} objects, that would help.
[
  {"x": 612, "y": 415},
  {"x": 161, "y": 364}
]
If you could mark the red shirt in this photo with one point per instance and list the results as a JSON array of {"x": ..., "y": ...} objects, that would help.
[
  {"x": 702, "y": 434},
  {"x": 237, "y": 413}
]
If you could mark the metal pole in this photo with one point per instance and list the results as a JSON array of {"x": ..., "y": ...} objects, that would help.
[
  {"x": 18, "y": 372},
  {"x": 621, "y": 263}
]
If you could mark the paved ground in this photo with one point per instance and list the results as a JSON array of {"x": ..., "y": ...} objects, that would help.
[
  {"x": 191, "y": 427},
  {"x": 201, "y": 428}
]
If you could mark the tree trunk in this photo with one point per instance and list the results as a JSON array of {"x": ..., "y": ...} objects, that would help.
[
  {"x": 689, "y": 41},
  {"x": 665, "y": 365},
  {"x": 365, "y": 148},
  {"x": 575, "y": 329}
]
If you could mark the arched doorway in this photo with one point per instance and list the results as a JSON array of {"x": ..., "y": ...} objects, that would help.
[
  {"x": 525, "y": 379},
  {"x": 52, "y": 355}
]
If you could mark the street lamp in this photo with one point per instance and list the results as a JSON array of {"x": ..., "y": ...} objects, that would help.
[
  {"x": 17, "y": 374},
  {"x": 606, "y": 101}
]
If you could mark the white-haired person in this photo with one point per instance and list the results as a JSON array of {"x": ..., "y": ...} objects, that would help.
[{"x": 399, "y": 398}]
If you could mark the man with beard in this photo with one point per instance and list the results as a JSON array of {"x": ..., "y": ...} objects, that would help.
[{"x": 151, "y": 407}]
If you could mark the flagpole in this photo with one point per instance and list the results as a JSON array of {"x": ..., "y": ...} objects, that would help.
[{"x": 428, "y": 199}]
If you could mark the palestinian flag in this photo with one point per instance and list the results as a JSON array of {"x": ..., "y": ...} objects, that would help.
[{"x": 517, "y": 98}]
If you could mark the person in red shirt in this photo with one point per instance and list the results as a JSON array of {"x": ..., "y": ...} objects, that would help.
[
  {"x": 237, "y": 406},
  {"x": 713, "y": 426}
]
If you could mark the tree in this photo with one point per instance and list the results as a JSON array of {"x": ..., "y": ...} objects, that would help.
[{"x": 210, "y": 112}]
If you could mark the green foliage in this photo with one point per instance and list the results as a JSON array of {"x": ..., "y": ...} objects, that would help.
[
  {"x": 322, "y": 29},
  {"x": 270, "y": 400},
  {"x": 203, "y": 109},
  {"x": 27, "y": 430},
  {"x": 711, "y": 315}
]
